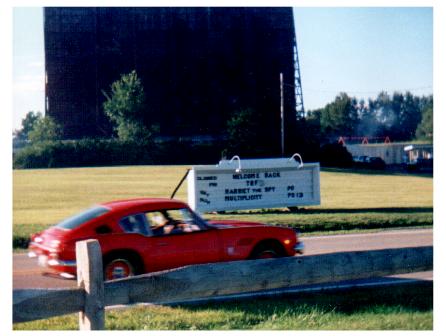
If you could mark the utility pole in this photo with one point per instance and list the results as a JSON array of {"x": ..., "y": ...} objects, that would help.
[{"x": 282, "y": 123}]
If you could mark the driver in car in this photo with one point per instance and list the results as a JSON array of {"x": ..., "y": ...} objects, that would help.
[{"x": 163, "y": 225}]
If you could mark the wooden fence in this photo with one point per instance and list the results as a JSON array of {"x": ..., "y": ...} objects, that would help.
[{"x": 205, "y": 281}]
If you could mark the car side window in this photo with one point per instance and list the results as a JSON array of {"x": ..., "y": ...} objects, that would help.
[
  {"x": 171, "y": 222},
  {"x": 134, "y": 224},
  {"x": 158, "y": 222}
]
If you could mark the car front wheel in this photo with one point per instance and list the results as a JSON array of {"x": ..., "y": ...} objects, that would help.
[
  {"x": 267, "y": 250},
  {"x": 266, "y": 254}
]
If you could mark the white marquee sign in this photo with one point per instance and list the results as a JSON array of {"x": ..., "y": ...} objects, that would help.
[{"x": 253, "y": 184}]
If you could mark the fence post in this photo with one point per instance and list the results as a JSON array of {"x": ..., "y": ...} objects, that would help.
[{"x": 90, "y": 278}]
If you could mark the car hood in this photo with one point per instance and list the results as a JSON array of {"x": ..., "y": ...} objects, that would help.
[{"x": 226, "y": 224}]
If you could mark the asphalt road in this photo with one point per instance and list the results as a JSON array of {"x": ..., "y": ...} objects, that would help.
[{"x": 26, "y": 273}]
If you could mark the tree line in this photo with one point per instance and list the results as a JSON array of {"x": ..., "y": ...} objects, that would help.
[{"x": 401, "y": 117}]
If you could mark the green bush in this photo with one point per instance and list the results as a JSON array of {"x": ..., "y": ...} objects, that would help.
[
  {"x": 335, "y": 155},
  {"x": 114, "y": 152},
  {"x": 20, "y": 242},
  {"x": 92, "y": 152}
]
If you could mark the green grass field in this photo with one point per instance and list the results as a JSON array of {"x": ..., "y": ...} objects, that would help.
[
  {"x": 406, "y": 307},
  {"x": 349, "y": 201}
]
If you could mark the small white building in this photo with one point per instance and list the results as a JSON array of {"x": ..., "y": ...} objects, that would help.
[{"x": 392, "y": 153}]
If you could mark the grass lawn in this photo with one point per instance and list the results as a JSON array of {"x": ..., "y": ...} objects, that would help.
[
  {"x": 406, "y": 307},
  {"x": 350, "y": 200}
]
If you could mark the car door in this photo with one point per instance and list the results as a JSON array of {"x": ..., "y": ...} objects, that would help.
[{"x": 194, "y": 244}]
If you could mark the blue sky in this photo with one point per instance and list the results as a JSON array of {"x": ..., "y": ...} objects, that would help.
[
  {"x": 362, "y": 51},
  {"x": 28, "y": 63},
  {"x": 357, "y": 50}
]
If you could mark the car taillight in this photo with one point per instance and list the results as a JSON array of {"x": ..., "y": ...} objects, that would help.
[
  {"x": 55, "y": 243},
  {"x": 54, "y": 255}
]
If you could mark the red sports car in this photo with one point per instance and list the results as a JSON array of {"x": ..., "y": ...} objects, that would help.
[{"x": 151, "y": 234}]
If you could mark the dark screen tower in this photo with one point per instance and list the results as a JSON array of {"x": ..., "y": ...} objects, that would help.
[{"x": 198, "y": 66}]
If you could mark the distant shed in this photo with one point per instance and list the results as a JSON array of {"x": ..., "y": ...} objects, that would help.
[{"x": 392, "y": 153}]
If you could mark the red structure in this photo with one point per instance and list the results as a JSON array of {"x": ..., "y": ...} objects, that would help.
[{"x": 364, "y": 140}]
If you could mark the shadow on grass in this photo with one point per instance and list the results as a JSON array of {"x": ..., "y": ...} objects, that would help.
[
  {"x": 389, "y": 172},
  {"x": 402, "y": 210},
  {"x": 379, "y": 210},
  {"x": 413, "y": 297}
]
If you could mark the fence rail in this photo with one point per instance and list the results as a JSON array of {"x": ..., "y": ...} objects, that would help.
[{"x": 205, "y": 281}]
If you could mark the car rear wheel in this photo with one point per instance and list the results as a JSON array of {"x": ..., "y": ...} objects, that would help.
[{"x": 118, "y": 268}]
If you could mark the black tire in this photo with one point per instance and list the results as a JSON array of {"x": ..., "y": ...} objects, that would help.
[{"x": 269, "y": 249}]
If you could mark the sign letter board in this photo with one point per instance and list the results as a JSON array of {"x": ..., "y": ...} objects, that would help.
[{"x": 253, "y": 184}]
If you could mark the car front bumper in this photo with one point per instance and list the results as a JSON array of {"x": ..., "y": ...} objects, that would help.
[{"x": 299, "y": 248}]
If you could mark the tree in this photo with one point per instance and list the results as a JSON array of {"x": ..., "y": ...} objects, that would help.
[
  {"x": 243, "y": 135},
  {"x": 368, "y": 124},
  {"x": 410, "y": 116},
  {"x": 399, "y": 116},
  {"x": 394, "y": 125},
  {"x": 126, "y": 108},
  {"x": 339, "y": 117},
  {"x": 425, "y": 130},
  {"x": 45, "y": 129},
  {"x": 384, "y": 112},
  {"x": 28, "y": 123}
]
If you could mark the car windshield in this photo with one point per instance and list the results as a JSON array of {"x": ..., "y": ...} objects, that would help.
[
  {"x": 196, "y": 217},
  {"x": 80, "y": 218}
]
